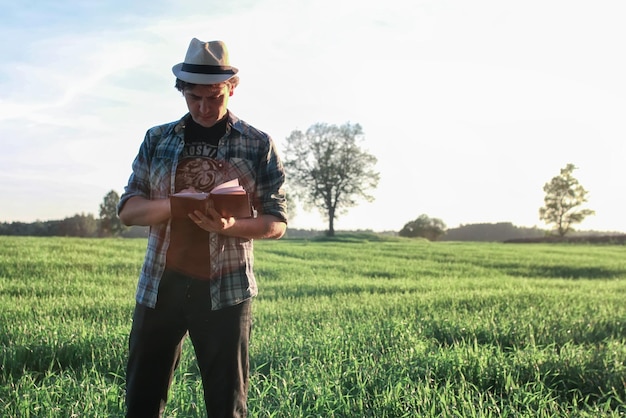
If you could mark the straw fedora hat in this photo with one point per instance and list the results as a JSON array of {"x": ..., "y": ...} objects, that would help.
[{"x": 205, "y": 63}]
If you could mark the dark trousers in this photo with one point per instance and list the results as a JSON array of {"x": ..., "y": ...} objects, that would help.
[{"x": 220, "y": 340}]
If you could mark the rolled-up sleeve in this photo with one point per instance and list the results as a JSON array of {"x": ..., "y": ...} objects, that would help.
[
  {"x": 139, "y": 181},
  {"x": 270, "y": 181}
]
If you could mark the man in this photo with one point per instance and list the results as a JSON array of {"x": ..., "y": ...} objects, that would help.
[{"x": 197, "y": 276}]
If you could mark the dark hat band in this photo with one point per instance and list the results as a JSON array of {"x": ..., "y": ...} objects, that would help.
[{"x": 207, "y": 69}]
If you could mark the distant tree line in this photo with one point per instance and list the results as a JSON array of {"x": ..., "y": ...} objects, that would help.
[
  {"x": 83, "y": 226},
  {"x": 564, "y": 196},
  {"x": 434, "y": 229},
  {"x": 87, "y": 226},
  {"x": 491, "y": 232},
  {"x": 563, "y": 200},
  {"x": 79, "y": 225}
]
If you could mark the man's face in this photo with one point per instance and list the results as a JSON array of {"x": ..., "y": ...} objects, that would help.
[{"x": 207, "y": 104}]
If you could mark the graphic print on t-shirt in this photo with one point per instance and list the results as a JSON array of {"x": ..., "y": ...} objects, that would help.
[
  {"x": 197, "y": 167},
  {"x": 198, "y": 173},
  {"x": 188, "y": 252}
]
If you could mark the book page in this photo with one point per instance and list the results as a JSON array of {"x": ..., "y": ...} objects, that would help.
[
  {"x": 191, "y": 195},
  {"x": 229, "y": 187}
]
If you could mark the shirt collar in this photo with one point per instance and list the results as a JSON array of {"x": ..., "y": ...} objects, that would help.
[{"x": 233, "y": 122}]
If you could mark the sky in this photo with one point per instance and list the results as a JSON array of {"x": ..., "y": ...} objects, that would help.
[{"x": 470, "y": 107}]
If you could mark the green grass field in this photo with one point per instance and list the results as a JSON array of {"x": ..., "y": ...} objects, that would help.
[{"x": 355, "y": 327}]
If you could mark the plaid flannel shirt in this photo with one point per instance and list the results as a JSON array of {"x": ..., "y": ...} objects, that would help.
[{"x": 249, "y": 155}]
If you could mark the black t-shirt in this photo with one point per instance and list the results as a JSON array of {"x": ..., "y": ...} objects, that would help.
[{"x": 188, "y": 251}]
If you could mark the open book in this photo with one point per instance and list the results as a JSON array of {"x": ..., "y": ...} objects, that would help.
[{"x": 228, "y": 199}]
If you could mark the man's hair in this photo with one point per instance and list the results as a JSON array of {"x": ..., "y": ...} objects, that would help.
[{"x": 181, "y": 85}]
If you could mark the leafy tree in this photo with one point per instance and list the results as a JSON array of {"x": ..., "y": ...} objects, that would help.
[
  {"x": 292, "y": 210},
  {"x": 492, "y": 232},
  {"x": 328, "y": 170},
  {"x": 83, "y": 225},
  {"x": 425, "y": 227},
  {"x": 563, "y": 195},
  {"x": 110, "y": 223}
]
